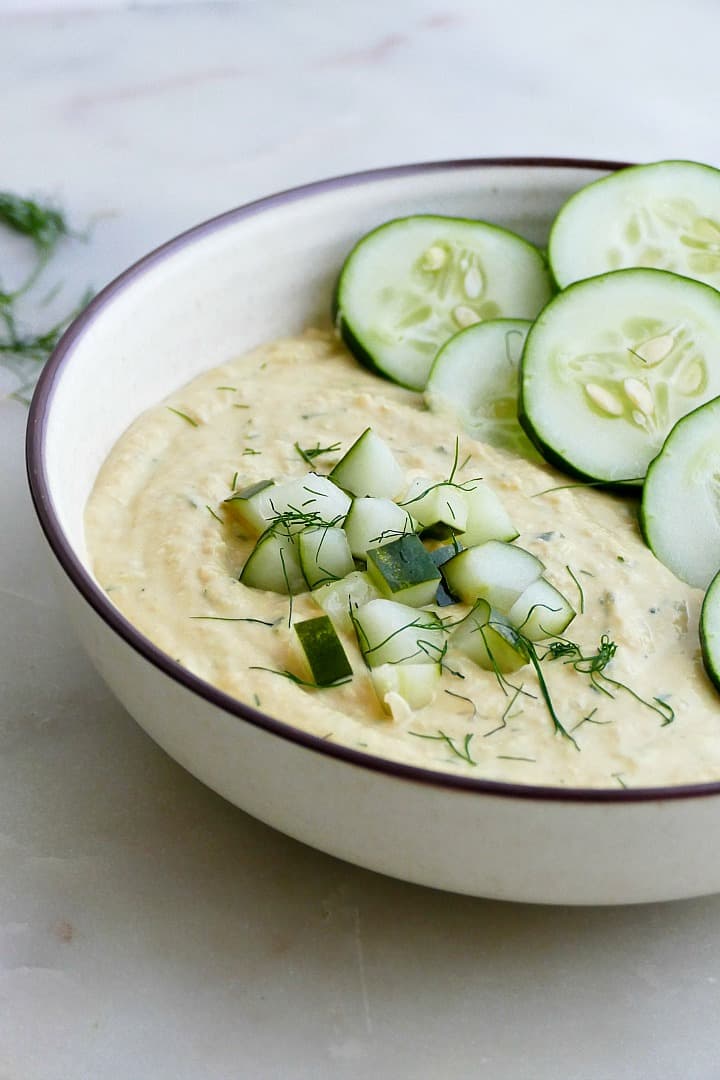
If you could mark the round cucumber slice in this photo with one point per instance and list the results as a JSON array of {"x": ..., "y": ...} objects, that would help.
[
  {"x": 412, "y": 283},
  {"x": 475, "y": 377},
  {"x": 680, "y": 514},
  {"x": 710, "y": 631},
  {"x": 612, "y": 363},
  {"x": 665, "y": 215}
]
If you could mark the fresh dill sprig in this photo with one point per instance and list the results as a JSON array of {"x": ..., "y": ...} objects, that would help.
[
  {"x": 223, "y": 618},
  {"x": 594, "y": 664},
  {"x": 309, "y": 453},
  {"x": 506, "y": 714},
  {"x": 301, "y": 682},
  {"x": 528, "y": 648},
  {"x": 212, "y": 512},
  {"x": 470, "y": 702},
  {"x": 463, "y": 753},
  {"x": 183, "y": 416},
  {"x": 466, "y": 485},
  {"x": 588, "y": 484},
  {"x": 41, "y": 223},
  {"x": 590, "y": 719},
  {"x": 579, "y": 589},
  {"x": 513, "y": 757}
]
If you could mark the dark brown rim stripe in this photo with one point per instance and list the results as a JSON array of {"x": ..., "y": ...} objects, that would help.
[{"x": 94, "y": 595}]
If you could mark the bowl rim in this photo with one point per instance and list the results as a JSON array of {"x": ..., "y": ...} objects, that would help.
[{"x": 92, "y": 593}]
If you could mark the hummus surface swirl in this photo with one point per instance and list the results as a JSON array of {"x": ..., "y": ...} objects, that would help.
[{"x": 160, "y": 548}]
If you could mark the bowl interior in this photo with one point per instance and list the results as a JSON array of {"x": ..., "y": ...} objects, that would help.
[{"x": 254, "y": 274}]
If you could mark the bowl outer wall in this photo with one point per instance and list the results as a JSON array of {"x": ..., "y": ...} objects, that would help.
[{"x": 196, "y": 302}]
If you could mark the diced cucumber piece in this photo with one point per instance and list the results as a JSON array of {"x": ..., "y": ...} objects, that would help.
[
  {"x": 372, "y": 522},
  {"x": 441, "y": 555},
  {"x": 412, "y": 283},
  {"x": 317, "y": 652},
  {"x": 487, "y": 518},
  {"x": 324, "y": 554},
  {"x": 433, "y": 504},
  {"x": 680, "y": 513},
  {"x": 403, "y": 570},
  {"x": 310, "y": 496},
  {"x": 541, "y": 611},
  {"x": 494, "y": 571},
  {"x": 417, "y": 684},
  {"x": 612, "y": 363},
  {"x": 488, "y": 639},
  {"x": 337, "y": 598},
  {"x": 475, "y": 378},
  {"x": 710, "y": 631},
  {"x": 666, "y": 215},
  {"x": 392, "y": 633},
  {"x": 369, "y": 468},
  {"x": 273, "y": 564},
  {"x": 251, "y": 505}
]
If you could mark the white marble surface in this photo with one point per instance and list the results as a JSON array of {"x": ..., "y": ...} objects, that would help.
[{"x": 148, "y": 930}]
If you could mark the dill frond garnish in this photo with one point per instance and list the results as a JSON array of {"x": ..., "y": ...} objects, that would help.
[
  {"x": 223, "y": 618},
  {"x": 298, "y": 681},
  {"x": 23, "y": 353},
  {"x": 212, "y": 512},
  {"x": 183, "y": 416},
  {"x": 579, "y": 589},
  {"x": 463, "y": 754},
  {"x": 309, "y": 453}
]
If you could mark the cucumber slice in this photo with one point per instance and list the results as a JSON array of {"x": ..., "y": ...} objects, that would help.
[
  {"x": 412, "y": 283},
  {"x": 664, "y": 215},
  {"x": 487, "y": 518},
  {"x": 252, "y": 505},
  {"x": 612, "y": 363},
  {"x": 273, "y": 564},
  {"x": 369, "y": 468},
  {"x": 680, "y": 513},
  {"x": 495, "y": 572},
  {"x": 324, "y": 555},
  {"x": 337, "y": 598},
  {"x": 710, "y": 631},
  {"x": 475, "y": 378},
  {"x": 403, "y": 570},
  {"x": 489, "y": 640},
  {"x": 541, "y": 611},
  {"x": 392, "y": 633},
  {"x": 317, "y": 653},
  {"x": 372, "y": 522},
  {"x": 437, "y": 504},
  {"x": 417, "y": 684},
  {"x": 310, "y": 497}
]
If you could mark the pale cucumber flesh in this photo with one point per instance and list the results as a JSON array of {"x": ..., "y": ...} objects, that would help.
[
  {"x": 475, "y": 380},
  {"x": 612, "y": 363},
  {"x": 664, "y": 215},
  {"x": 412, "y": 283},
  {"x": 680, "y": 513}
]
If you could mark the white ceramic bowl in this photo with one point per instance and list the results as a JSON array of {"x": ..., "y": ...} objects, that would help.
[{"x": 249, "y": 276}]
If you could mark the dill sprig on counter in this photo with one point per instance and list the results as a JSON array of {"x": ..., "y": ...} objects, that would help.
[{"x": 23, "y": 353}]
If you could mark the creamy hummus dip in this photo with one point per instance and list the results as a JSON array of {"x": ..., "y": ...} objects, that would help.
[{"x": 165, "y": 556}]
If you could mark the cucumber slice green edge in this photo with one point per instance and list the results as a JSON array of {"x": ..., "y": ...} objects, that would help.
[
  {"x": 644, "y": 309},
  {"x": 681, "y": 498},
  {"x": 710, "y": 631},
  {"x": 521, "y": 295}
]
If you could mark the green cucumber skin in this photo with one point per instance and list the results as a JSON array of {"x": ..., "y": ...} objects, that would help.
[
  {"x": 348, "y": 335},
  {"x": 319, "y": 630},
  {"x": 710, "y": 662}
]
